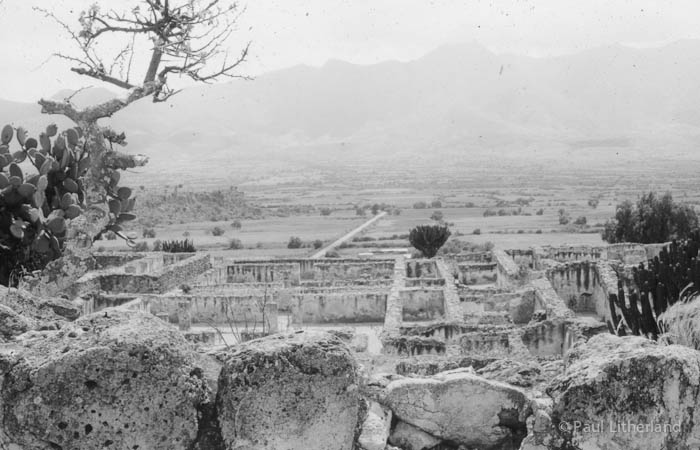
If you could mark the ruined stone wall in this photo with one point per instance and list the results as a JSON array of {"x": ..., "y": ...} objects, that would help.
[
  {"x": 263, "y": 273},
  {"x": 477, "y": 273},
  {"x": 575, "y": 253},
  {"x": 421, "y": 268},
  {"x": 339, "y": 307},
  {"x": 244, "y": 311},
  {"x": 523, "y": 258},
  {"x": 627, "y": 253},
  {"x": 579, "y": 285},
  {"x": 420, "y": 304},
  {"x": 547, "y": 300},
  {"x": 507, "y": 272}
]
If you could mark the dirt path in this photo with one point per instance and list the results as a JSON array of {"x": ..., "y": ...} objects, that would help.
[{"x": 321, "y": 253}]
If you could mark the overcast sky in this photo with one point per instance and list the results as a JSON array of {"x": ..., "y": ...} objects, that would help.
[{"x": 290, "y": 32}]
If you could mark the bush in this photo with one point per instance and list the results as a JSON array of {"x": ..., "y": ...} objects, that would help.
[
  {"x": 428, "y": 238},
  {"x": 580, "y": 221},
  {"x": 563, "y": 217},
  {"x": 294, "y": 242},
  {"x": 236, "y": 224},
  {"x": 436, "y": 204},
  {"x": 148, "y": 233},
  {"x": 540, "y": 211},
  {"x": 360, "y": 212},
  {"x": 157, "y": 245},
  {"x": 332, "y": 254},
  {"x": 235, "y": 244},
  {"x": 186, "y": 234},
  {"x": 110, "y": 236},
  {"x": 593, "y": 203},
  {"x": 420, "y": 205},
  {"x": 538, "y": 232},
  {"x": 651, "y": 220},
  {"x": 318, "y": 244},
  {"x": 217, "y": 231},
  {"x": 325, "y": 211},
  {"x": 489, "y": 213},
  {"x": 175, "y": 246},
  {"x": 476, "y": 231},
  {"x": 437, "y": 216},
  {"x": 140, "y": 247}
]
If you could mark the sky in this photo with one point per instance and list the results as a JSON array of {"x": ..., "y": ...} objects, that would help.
[{"x": 290, "y": 32}]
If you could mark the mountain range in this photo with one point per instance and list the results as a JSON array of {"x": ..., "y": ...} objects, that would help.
[{"x": 460, "y": 100}]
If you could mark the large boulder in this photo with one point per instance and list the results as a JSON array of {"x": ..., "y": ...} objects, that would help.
[
  {"x": 21, "y": 311},
  {"x": 375, "y": 429},
  {"x": 114, "y": 379},
  {"x": 461, "y": 407},
  {"x": 290, "y": 392},
  {"x": 627, "y": 393},
  {"x": 408, "y": 437}
]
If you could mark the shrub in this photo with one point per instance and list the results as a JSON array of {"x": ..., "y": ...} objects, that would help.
[
  {"x": 360, "y": 211},
  {"x": 217, "y": 231},
  {"x": 318, "y": 243},
  {"x": 580, "y": 221},
  {"x": 157, "y": 245},
  {"x": 186, "y": 234},
  {"x": 332, "y": 254},
  {"x": 651, "y": 220},
  {"x": 110, "y": 236},
  {"x": 538, "y": 232},
  {"x": 428, "y": 238},
  {"x": 236, "y": 224},
  {"x": 593, "y": 203},
  {"x": 476, "y": 231},
  {"x": 294, "y": 242},
  {"x": 540, "y": 211},
  {"x": 140, "y": 246},
  {"x": 420, "y": 205},
  {"x": 325, "y": 211},
  {"x": 436, "y": 204},
  {"x": 148, "y": 233},
  {"x": 235, "y": 244},
  {"x": 175, "y": 246},
  {"x": 437, "y": 216}
]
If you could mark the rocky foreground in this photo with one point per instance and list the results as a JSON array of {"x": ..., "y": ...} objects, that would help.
[{"x": 127, "y": 380}]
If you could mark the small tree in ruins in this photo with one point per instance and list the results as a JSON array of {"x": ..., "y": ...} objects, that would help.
[
  {"x": 185, "y": 38},
  {"x": 428, "y": 238}
]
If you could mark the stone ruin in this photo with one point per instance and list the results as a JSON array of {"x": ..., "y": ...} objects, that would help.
[{"x": 480, "y": 351}]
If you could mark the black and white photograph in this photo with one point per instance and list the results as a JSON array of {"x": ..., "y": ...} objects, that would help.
[{"x": 349, "y": 225}]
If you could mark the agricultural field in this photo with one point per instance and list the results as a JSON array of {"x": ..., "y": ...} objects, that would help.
[{"x": 509, "y": 202}]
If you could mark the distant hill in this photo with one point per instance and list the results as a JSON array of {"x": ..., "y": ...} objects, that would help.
[{"x": 457, "y": 100}]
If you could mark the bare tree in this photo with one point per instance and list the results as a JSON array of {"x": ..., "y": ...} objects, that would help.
[{"x": 185, "y": 38}]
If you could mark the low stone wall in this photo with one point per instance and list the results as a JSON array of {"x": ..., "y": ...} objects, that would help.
[
  {"x": 580, "y": 286},
  {"x": 162, "y": 279},
  {"x": 547, "y": 300},
  {"x": 243, "y": 311},
  {"x": 524, "y": 258},
  {"x": 421, "y": 268},
  {"x": 343, "y": 307},
  {"x": 477, "y": 273},
  {"x": 294, "y": 271},
  {"x": 263, "y": 273},
  {"x": 627, "y": 253},
  {"x": 547, "y": 338},
  {"x": 576, "y": 253},
  {"x": 420, "y": 304},
  {"x": 508, "y": 273},
  {"x": 424, "y": 282}
]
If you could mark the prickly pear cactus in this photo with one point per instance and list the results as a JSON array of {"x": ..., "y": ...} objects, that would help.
[{"x": 41, "y": 191}]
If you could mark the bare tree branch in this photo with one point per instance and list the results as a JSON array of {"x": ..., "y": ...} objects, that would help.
[{"x": 188, "y": 37}]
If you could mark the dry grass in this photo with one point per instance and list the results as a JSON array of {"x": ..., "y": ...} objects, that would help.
[{"x": 680, "y": 324}]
